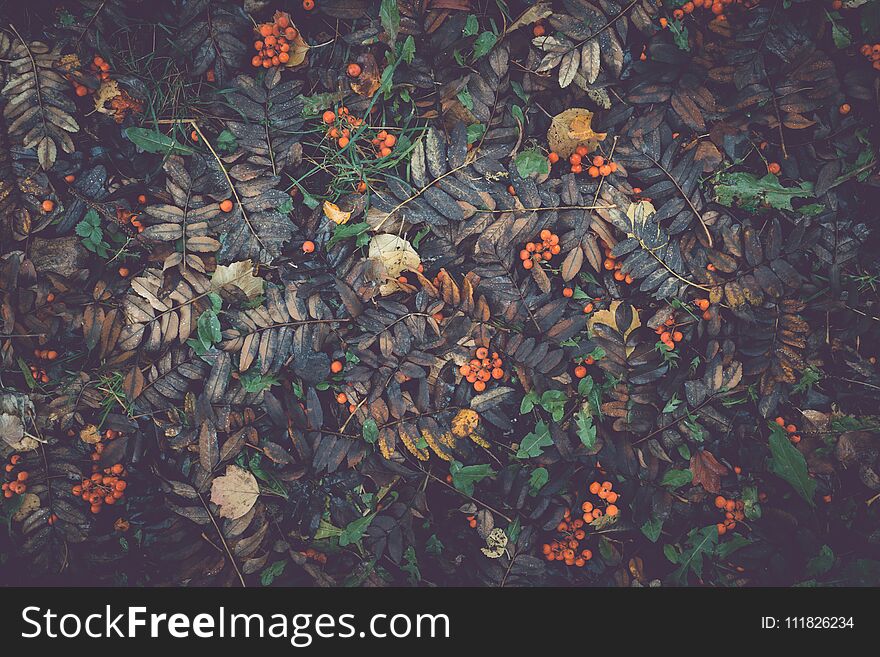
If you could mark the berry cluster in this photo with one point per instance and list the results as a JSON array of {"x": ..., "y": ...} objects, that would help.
[
  {"x": 274, "y": 47},
  {"x": 607, "y": 496},
  {"x": 481, "y": 369},
  {"x": 471, "y": 520},
  {"x": 611, "y": 264},
  {"x": 109, "y": 434},
  {"x": 581, "y": 370},
  {"x": 704, "y": 305},
  {"x": 543, "y": 250},
  {"x": 124, "y": 217},
  {"x": 872, "y": 54},
  {"x": 790, "y": 429},
  {"x": 17, "y": 485},
  {"x": 383, "y": 142},
  {"x": 668, "y": 333},
  {"x": 340, "y": 124},
  {"x": 314, "y": 555},
  {"x": 565, "y": 547},
  {"x": 733, "y": 513},
  {"x": 99, "y": 67},
  {"x": 715, "y": 6},
  {"x": 101, "y": 489}
]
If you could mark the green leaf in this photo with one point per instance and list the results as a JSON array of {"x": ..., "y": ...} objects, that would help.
[
  {"x": 344, "y": 231},
  {"x": 789, "y": 464},
  {"x": 464, "y": 96},
  {"x": 841, "y": 36},
  {"x": 534, "y": 443},
  {"x": 475, "y": 132},
  {"x": 676, "y": 478},
  {"x": 822, "y": 563},
  {"x": 586, "y": 430},
  {"x": 471, "y": 26},
  {"x": 153, "y": 141},
  {"x": 465, "y": 476},
  {"x": 728, "y": 547},
  {"x": 272, "y": 571},
  {"x": 702, "y": 541},
  {"x": 226, "y": 142},
  {"x": 680, "y": 35},
  {"x": 253, "y": 381},
  {"x": 390, "y": 17},
  {"x": 434, "y": 546},
  {"x": 652, "y": 528},
  {"x": 538, "y": 480},
  {"x": 532, "y": 161},
  {"x": 354, "y": 531},
  {"x": 528, "y": 402},
  {"x": 484, "y": 43},
  {"x": 752, "y": 192},
  {"x": 408, "y": 50},
  {"x": 370, "y": 430}
]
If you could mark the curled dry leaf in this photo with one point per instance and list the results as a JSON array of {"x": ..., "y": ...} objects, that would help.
[
  {"x": 573, "y": 128},
  {"x": 395, "y": 255},
  {"x": 239, "y": 274},
  {"x": 235, "y": 493},
  {"x": 335, "y": 214}
]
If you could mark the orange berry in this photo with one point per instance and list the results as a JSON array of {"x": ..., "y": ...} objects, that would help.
[
  {"x": 353, "y": 70},
  {"x": 574, "y": 158},
  {"x": 341, "y": 398},
  {"x": 479, "y": 386},
  {"x": 69, "y": 178},
  {"x": 328, "y": 116},
  {"x": 538, "y": 30},
  {"x": 283, "y": 58},
  {"x": 48, "y": 205},
  {"x": 595, "y": 487},
  {"x": 580, "y": 371},
  {"x": 721, "y": 529},
  {"x": 593, "y": 172},
  {"x": 336, "y": 366},
  {"x": 567, "y": 292},
  {"x": 576, "y": 168},
  {"x": 343, "y": 142},
  {"x": 226, "y": 205},
  {"x": 605, "y": 170},
  {"x": 774, "y": 168},
  {"x": 707, "y": 315},
  {"x": 553, "y": 157},
  {"x": 390, "y": 140},
  {"x": 612, "y": 510},
  {"x": 194, "y": 135},
  {"x": 844, "y": 109},
  {"x": 123, "y": 272}
]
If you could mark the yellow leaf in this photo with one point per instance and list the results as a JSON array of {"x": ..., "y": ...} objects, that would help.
[
  {"x": 573, "y": 128},
  {"x": 89, "y": 434},
  {"x": 108, "y": 90},
  {"x": 235, "y": 493},
  {"x": 335, "y": 214},
  {"x": 241, "y": 275},
  {"x": 496, "y": 543},
  {"x": 465, "y": 422},
  {"x": 29, "y": 504},
  {"x": 609, "y": 318},
  {"x": 395, "y": 255}
]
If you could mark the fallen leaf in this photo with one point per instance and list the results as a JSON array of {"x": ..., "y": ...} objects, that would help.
[
  {"x": 29, "y": 504},
  {"x": 235, "y": 493},
  {"x": 90, "y": 435},
  {"x": 335, "y": 214},
  {"x": 241, "y": 275},
  {"x": 395, "y": 255},
  {"x": 706, "y": 470},
  {"x": 573, "y": 128}
]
